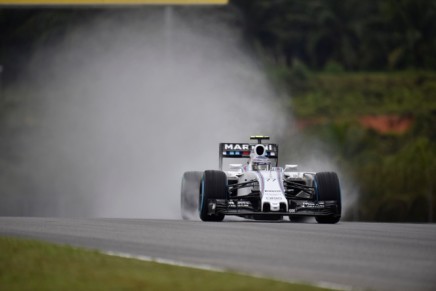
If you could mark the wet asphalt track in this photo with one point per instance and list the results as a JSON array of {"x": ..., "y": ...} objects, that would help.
[{"x": 378, "y": 256}]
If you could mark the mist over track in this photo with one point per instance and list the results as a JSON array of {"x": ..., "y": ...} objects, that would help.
[
  {"x": 379, "y": 256},
  {"x": 119, "y": 106},
  {"x": 123, "y": 104}
]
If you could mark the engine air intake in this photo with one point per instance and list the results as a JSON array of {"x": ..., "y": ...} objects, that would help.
[{"x": 259, "y": 150}]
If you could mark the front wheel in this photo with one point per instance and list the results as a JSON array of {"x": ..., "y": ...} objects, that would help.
[
  {"x": 327, "y": 188},
  {"x": 213, "y": 186}
]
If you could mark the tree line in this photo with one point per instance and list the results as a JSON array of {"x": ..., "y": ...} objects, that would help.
[
  {"x": 352, "y": 35},
  {"x": 348, "y": 35}
]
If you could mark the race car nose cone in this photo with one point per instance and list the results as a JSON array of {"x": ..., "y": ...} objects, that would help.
[{"x": 275, "y": 206}]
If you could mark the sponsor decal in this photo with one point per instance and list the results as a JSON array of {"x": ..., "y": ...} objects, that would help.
[
  {"x": 313, "y": 205},
  {"x": 237, "y": 147},
  {"x": 244, "y": 204},
  {"x": 244, "y": 146},
  {"x": 273, "y": 198},
  {"x": 273, "y": 195}
]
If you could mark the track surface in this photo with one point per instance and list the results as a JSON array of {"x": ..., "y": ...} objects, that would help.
[{"x": 363, "y": 255}]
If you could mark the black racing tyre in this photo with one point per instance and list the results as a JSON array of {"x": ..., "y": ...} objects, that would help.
[
  {"x": 213, "y": 186},
  {"x": 190, "y": 192},
  {"x": 327, "y": 188}
]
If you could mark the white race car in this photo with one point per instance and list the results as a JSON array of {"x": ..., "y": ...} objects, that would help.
[{"x": 259, "y": 189}]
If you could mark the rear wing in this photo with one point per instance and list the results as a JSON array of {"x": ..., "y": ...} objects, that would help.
[{"x": 243, "y": 150}]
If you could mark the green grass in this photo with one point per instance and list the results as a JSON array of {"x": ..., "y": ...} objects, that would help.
[
  {"x": 351, "y": 94},
  {"x": 34, "y": 265}
]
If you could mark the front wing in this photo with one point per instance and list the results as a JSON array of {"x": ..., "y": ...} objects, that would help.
[{"x": 296, "y": 208}]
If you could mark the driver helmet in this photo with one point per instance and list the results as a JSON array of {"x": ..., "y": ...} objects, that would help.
[{"x": 261, "y": 164}]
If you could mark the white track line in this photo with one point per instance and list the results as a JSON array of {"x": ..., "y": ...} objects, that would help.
[
  {"x": 166, "y": 261},
  {"x": 326, "y": 285}
]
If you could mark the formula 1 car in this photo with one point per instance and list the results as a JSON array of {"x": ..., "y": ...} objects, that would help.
[{"x": 259, "y": 189}]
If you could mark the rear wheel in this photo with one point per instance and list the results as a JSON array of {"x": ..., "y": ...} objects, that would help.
[
  {"x": 213, "y": 186},
  {"x": 328, "y": 189},
  {"x": 189, "y": 194}
]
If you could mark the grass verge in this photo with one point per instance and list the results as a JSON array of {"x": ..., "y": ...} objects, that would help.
[{"x": 35, "y": 265}]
